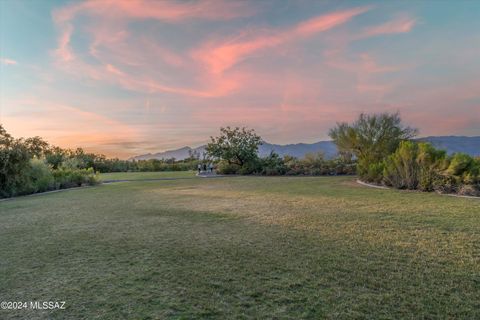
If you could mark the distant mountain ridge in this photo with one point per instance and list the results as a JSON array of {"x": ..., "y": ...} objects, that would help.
[{"x": 453, "y": 144}]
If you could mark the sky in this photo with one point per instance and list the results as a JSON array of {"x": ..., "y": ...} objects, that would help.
[{"x": 124, "y": 78}]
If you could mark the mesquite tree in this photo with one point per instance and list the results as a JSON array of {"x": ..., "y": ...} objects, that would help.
[
  {"x": 236, "y": 146},
  {"x": 371, "y": 138}
]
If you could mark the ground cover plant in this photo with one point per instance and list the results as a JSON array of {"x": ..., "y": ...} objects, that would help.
[{"x": 242, "y": 247}]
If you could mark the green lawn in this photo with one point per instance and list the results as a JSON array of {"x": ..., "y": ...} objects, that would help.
[
  {"x": 242, "y": 247},
  {"x": 146, "y": 175}
]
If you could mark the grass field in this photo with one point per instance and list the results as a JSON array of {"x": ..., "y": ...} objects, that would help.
[
  {"x": 146, "y": 175},
  {"x": 242, "y": 247}
]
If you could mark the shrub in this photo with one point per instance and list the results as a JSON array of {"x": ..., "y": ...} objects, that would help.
[
  {"x": 40, "y": 177},
  {"x": 253, "y": 166},
  {"x": 459, "y": 163},
  {"x": 401, "y": 168},
  {"x": 430, "y": 162},
  {"x": 272, "y": 165},
  {"x": 472, "y": 174},
  {"x": 372, "y": 172},
  {"x": 68, "y": 178},
  {"x": 445, "y": 184},
  {"x": 469, "y": 190},
  {"x": 343, "y": 166},
  {"x": 228, "y": 168},
  {"x": 71, "y": 163}
]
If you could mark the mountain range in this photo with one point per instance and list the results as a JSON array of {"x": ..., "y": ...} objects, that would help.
[{"x": 453, "y": 144}]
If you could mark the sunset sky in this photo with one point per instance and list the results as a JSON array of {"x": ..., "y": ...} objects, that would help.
[{"x": 130, "y": 77}]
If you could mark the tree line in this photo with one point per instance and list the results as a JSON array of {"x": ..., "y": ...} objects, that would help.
[
  {"x": 33, "y": 165},
  {"x": 235, "y": 151},
  {"x": 377, "y": 147}
]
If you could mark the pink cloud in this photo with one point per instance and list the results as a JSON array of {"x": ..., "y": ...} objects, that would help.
[
  {"x": 114, "y": 11},
  {"x": 364, "y": 63},
  {"x": 110, "y": 68},
  {"x": 171, "y": 11},
  {"x": 370, "y": 65},
  {"x": 126, "y": 58},
  {"x": 328, "y": 21},
  {"x": 399, "y": 25},
  {"x": 7, "y": 61},
  {"x": 64, "y": 51},
  {"x": 220, "y": 57}
]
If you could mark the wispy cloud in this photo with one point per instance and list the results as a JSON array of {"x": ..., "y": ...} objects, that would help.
[
  {"x": 171, "y": 11},
  {"x": 116, "y": 50},
  {"x": 219, "y": 56},
  {"x": 402, "y": 24},
  {"x": 122, "y": 10},
  {"x": 7, "y": 61}
]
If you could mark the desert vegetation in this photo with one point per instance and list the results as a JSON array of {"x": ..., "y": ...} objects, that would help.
[
  {"x": 377, "y": 147},
  {"x": 387, "y": 155},
  {"x": 31, "y": 165},
  {"x": 235, "y": 151}
]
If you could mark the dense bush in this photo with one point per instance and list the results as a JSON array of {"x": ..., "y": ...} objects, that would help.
[
  {"x": 31, "y": 165},
  {"x": 164, "y": 165},
  {"x": 274, "y": 165},
  {"x": 401, "y": 168},
  {"x": 469, "y": 190},
  {"x": 372, "y": 172},
  {"x": 431, "y": 162},
  {"x": 40, "y": 177},
  {"x": 14, "y": 163},
  {"x": 315, "y": 164},
  {"x": 421, "y": 166},
  {"x": 224, "y": 167},
  {"x": 386, "y": 155},
  {"x": 74, "y": 177}
]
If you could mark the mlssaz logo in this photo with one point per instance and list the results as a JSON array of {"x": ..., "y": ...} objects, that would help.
[{"x": 47, "y": 305}]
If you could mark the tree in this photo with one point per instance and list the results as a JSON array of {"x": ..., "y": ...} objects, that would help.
[
  {"x": 371, "y": 138},
  {"x": 55, "y": 156},
  {"x": 37, "y": 146},
  {"x": 5, "y": 137},
  {"x": 236, "y": 146},
  {"x": 14, "y": 163}
]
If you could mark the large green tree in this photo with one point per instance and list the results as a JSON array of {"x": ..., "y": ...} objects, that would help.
[
  {"x": 37, "y": 147},
  {"x": 235, "y": 145},
  {"x": 14, "y": 163},
  {"x": 371, "y": 138}
]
